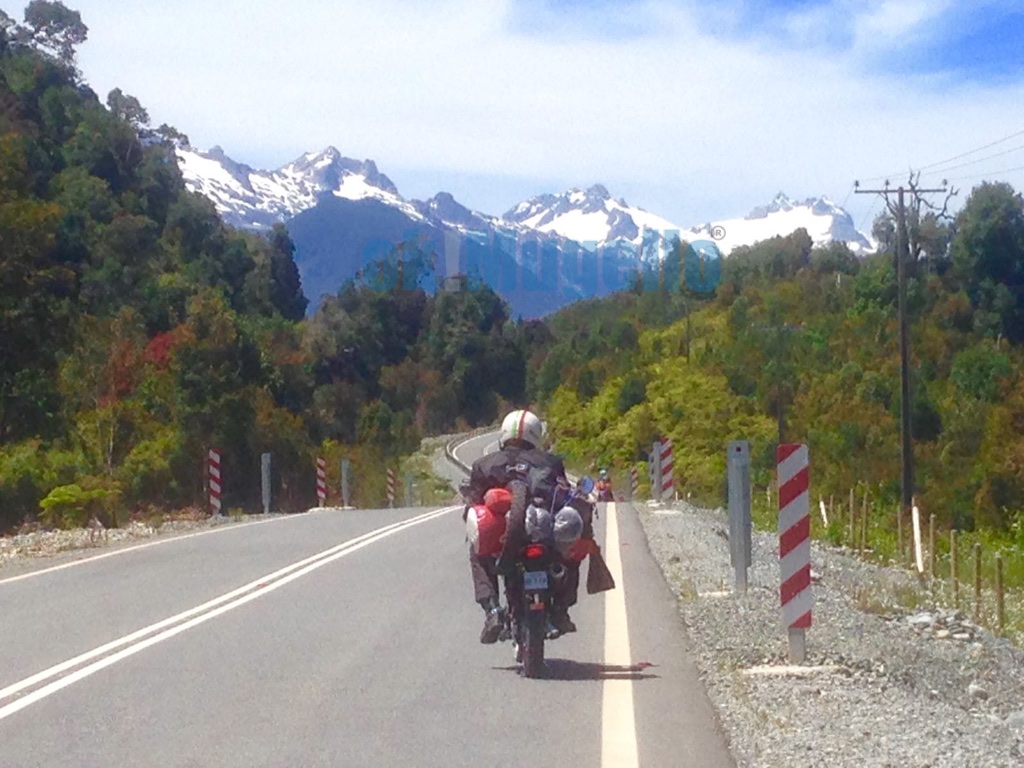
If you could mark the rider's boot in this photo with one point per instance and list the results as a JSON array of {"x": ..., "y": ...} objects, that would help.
[
  {"x": 561, "y": 622},
  {"x": 493, "y": 622}
]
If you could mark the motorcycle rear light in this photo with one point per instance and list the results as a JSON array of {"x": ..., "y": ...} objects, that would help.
[{"x": 534, "y": 551}]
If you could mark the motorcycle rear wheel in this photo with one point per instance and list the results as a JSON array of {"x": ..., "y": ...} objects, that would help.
[{"x": 533, "y": 644}]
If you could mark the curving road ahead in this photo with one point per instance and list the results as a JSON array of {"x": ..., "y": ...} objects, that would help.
[{"x": 336, "y": 638}]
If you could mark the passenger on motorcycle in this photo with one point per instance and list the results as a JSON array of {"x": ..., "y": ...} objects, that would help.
[
  {"x": 520, "y": 457},
  {"x": 604, "y": 486}
]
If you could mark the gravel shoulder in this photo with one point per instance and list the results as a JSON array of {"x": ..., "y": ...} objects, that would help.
[{"x": 881, "y": 685}]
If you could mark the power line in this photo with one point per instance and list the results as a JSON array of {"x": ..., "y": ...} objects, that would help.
[
  {"x": 850, "y": 192},
  {"x": 979, "y": 160},
  {"x": 965, "y": 154},
  {"x": 951, "y": 159},
  {"x": 989, "y": 173},
  {"x": 866, "y": 216}
]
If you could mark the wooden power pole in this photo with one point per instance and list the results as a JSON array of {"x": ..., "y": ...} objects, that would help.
[{"x": 902, "y": 256}]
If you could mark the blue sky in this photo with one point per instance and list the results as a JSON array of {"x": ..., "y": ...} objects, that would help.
[{"x": 693, "y": 109}]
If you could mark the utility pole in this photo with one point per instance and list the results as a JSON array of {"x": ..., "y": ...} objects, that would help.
[{"x": 902, "y": 256}]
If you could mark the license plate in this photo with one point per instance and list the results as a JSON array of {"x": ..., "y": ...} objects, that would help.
[{"x": 535, "y": 580}]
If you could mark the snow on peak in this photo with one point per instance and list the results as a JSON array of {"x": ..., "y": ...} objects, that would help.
[
  {"x": 824, "y": 221},
  {"x": 585, "y": 216},
  {"x": 253, "y": 199}
]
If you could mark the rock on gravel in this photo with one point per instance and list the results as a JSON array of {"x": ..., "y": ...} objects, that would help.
[{"x": 882, "y": 684}]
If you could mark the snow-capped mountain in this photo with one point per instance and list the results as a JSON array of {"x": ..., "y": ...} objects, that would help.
[
  {"x": 256, "y": 199},
  {"x": 824, "y": 221},
  {"x": 253, "y": 199},
  {"x": 587, "y": 216},
  {"x": 344, "y": 214}
]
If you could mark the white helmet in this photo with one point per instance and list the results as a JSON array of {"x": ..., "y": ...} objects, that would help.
[{"x": 524, "y": 426}]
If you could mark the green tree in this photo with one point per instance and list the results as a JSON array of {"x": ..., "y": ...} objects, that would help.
[
  {"x": 54, "y": 29},
  {"x": 127, "y": 108},
  {"x": 988, "y": 254},
  {"x": 981, "y": 372},
  {"x": 285, "y": 286}
]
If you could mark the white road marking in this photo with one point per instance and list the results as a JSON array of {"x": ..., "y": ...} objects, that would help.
[
  {"x": 488, "y": 448},
  {"x": 135, "y": 548},
  {"x": 226, "y": 602},
  {"x": 618, "y": 728}
]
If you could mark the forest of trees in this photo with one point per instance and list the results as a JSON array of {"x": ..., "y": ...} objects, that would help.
[
  {"x": 137, "y": 331},
  {"x": 805, "y": 341}
]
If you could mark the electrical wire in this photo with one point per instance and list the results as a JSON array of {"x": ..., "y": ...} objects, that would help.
[
  {"x": 990, "y": 173},
  {"x": 975, "y": 162},
  {"x": 951, "y": 159},
  {"x": 850, "y": 192},
  {"x": 871, "y": 210}
]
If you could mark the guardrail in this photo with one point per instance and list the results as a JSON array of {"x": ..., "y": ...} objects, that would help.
[{"x": 451, "y": 445}]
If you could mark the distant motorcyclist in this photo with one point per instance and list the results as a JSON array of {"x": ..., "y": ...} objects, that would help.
[
  {"x": 604, "y": 487},
  {"x": 520, "y": 458}
]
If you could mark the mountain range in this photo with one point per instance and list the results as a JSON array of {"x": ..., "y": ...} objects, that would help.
[{"x": 543, "y": 253}]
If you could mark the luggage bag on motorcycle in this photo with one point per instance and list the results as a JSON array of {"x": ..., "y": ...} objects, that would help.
[
  {"x": 486, "y": 523},
  {"x": 485, "y": 530}
]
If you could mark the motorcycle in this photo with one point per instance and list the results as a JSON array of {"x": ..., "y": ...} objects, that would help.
[{"x": 530, "y": 588}]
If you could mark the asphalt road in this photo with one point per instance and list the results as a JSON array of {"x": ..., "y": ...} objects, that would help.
[{"x": 336, "y": 638}]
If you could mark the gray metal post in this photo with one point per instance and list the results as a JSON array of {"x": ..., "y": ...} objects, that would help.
[
  {"x": 656, "y": 470},
  {"x": 265, "y": 473},
  {"x": 738, "y": 464},
  {"x": 345, "y": 496}
]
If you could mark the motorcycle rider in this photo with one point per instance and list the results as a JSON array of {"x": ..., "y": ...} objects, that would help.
[
  {"x": 604, "y": 486},
  {"x": 521, "y": 457}
]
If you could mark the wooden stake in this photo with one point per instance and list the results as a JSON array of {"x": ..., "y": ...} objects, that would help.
[
  {"x": 899, "y": 535},
  {"x": 977, "y": 583},
  {"x": 1000, "y": 615},
  {"x": 953, "y": 576},
  {"x": 864, "y": 524},
  {"x": 853, "y": 540},
  {"x": 931, "y": 545}
]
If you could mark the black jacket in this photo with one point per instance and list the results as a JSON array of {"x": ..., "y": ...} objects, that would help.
[{"x": 543, "y": 472}]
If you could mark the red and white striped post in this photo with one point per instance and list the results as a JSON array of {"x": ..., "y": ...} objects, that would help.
[
  {"x": 667, "y": 481},
  {"x": 321, "y": 480},
  {"x": 795, "y": 545},
  {"x": 391, "y": 487},
  {"x": 213, "y": 473},
  {"x": 634, "y": 483}
]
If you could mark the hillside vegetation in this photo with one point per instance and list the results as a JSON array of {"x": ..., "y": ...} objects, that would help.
[
  {"x": 802, "y": 344},
  {"x": 137, "y": 331}
]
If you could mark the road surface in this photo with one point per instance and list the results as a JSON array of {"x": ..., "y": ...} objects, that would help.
[{"x": 336, "y": 638}]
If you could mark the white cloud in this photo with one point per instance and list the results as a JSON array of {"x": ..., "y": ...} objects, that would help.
[
  {"x": 701, "y": 127},
  {"x": 894, "y": 19}
]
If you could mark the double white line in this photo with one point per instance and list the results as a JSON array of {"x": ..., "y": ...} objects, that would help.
[{"x": 143, "y": 638}]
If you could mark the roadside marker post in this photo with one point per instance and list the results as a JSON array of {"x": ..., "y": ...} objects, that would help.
[
  {"x": 265, "y": 481},
  {"x": 321, "y": 480},
  {"x": 656, "y": 471},
  {"x": 795, "y": 545},
  {"x": 213, "y": 469},
  {"x": 345, "y": 493},
  {"x": 667, "y": 481},
  {"x": 738, "y": 467}
]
